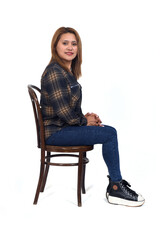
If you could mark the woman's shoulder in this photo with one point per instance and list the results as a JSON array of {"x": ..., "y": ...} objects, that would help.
[{"x": 53, "y": 67}]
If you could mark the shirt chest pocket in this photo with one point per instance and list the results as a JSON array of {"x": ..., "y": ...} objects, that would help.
[{"x": 75, "y": 91}]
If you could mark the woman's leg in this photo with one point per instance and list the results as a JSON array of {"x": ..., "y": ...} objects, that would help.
[
  {"x": 118, "y": 191},
  {"x": 90, "y": 135}
]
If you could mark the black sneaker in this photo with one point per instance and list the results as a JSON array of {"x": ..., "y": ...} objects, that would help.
[{"x": 120, "y": 193}]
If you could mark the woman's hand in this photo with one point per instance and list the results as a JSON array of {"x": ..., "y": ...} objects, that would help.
[{"x": 93, "y": 119}]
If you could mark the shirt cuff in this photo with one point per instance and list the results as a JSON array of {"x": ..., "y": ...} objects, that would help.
[{"x": 84, "y": 121}]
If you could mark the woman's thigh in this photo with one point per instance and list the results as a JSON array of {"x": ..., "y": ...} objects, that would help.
[{"x": 82, "y": 135}]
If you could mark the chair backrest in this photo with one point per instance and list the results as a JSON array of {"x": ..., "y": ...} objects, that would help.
[{"x": 37, "y": 115}]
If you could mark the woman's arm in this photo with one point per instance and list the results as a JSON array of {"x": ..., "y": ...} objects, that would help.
[{"x": 56, "y": 87}]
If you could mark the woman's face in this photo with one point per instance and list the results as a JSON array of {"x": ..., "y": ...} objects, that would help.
[{"x": 67, "y": 47}]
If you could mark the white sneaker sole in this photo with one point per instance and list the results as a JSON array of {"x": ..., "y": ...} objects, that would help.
[{"x": 124, "y": 202}]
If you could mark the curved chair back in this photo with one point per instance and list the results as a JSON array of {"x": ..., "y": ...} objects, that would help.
[{"x": 37, "y": 115}]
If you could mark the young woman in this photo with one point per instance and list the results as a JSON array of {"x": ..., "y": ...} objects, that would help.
[{"x": 65, "y": 124}]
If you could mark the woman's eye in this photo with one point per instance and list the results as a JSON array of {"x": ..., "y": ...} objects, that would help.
[{"x": 74, "y": 44}]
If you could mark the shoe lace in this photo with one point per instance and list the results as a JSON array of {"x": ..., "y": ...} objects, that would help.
[{"x": 125, "y": 185}]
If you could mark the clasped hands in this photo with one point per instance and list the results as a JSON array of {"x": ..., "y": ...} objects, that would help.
[{"x": 93, "y": 120}]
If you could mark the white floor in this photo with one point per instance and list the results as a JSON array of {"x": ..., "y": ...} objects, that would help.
[{"x": 57, "y": 216}]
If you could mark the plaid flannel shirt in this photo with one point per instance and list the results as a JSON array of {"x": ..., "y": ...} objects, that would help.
[{"x": 60, "y": 99}]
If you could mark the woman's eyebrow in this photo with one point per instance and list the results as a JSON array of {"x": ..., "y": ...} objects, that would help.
[{"x": 68, "y": 40}]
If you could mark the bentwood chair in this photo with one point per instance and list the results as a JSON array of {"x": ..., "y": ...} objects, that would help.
[{"x": 64, "y": 151}]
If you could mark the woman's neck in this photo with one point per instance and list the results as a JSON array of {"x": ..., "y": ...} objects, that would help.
[{"x": 68, "y": 64}]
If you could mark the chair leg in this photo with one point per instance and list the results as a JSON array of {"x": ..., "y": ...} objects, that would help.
[
  {"x": 83, "y": 176},
  {"x": 41, "y": 176},
  {"x": 80, "y": 174},
  {"x": 39, "y": 183},
  {"x": 45, "y": 173}
]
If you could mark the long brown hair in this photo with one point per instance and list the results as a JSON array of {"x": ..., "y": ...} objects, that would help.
[{"x": 77, "y": 61}]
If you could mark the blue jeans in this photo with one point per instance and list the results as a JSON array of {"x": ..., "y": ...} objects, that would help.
[{"x": 90, "y": 135}]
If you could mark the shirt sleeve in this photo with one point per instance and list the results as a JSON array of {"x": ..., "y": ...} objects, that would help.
[{"x": 57, "y": 89}]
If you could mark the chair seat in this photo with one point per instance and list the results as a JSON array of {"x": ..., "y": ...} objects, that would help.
[{"x": 51, "y": 148}]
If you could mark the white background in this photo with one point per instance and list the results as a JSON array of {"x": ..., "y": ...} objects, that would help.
[{"x": 121, "y": 59}]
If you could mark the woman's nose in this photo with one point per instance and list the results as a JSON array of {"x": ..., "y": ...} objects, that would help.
[{"x": 70, "y": 47}]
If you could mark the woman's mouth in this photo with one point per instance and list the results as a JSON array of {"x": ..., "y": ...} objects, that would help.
[{"x": 69, "y": 53}]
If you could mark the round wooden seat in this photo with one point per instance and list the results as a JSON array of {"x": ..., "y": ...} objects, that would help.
[{"x": 68, "y": 148}]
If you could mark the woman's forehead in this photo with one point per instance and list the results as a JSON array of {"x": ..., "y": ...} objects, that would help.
[{"x": 68, "y": 37}]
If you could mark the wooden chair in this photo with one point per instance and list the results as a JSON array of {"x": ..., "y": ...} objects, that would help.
[{"x": 46, "y": 151}]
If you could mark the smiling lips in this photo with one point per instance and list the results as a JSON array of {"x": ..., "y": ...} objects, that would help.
[{"x": 69, "y": 53}]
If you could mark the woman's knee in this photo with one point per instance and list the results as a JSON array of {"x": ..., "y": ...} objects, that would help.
[{"x": 112, "y": 130}]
